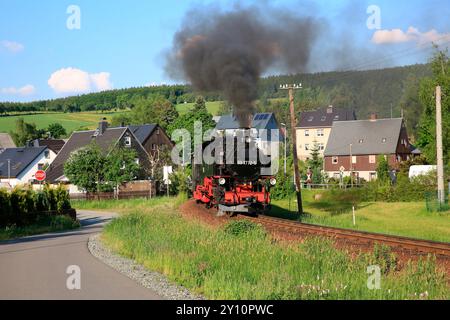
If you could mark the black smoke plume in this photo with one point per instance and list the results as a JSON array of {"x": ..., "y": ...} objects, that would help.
[{"x": 230, "y": 51}]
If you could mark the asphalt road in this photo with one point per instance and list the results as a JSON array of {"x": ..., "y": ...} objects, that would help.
[{"x": 35, "y": 267}]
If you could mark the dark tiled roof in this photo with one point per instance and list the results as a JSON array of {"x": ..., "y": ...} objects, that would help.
[
  {"x": 366, "y": 137},
  {"x": 6, "y": 141},
  {"x": 324, "y": 117},
  {"x": 79, "y": 140},
  {"x": 142, "y": 132},
  {"x": 260, "y": 121},
  {"x": 20, "y": 158},
  {"x": 53, "y": 144}
]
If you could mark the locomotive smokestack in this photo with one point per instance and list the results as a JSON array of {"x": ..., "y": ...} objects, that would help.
[{"x": 229, "y": 51}]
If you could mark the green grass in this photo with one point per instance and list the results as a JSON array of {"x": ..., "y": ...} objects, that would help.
[
  {"x": 70, "y": 121},
  {"x": 409, "y": 219},
  {"x": 44, "y": 225},
  {"x": 242, "y": 262},
  {"x": 213, "y": 107}
]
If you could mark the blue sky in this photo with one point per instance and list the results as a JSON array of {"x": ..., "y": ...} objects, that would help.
[{"x": 121, "y": 43}]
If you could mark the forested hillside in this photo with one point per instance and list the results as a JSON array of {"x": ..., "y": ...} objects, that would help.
[{"x": 378, "y": 91}]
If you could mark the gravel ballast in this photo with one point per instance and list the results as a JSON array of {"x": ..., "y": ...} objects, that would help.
[{"x": 148, "y": 279}]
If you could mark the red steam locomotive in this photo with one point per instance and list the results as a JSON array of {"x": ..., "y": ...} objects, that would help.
[{"x": 237, "y": 181}]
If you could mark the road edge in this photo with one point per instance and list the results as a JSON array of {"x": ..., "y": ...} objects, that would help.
[{"x": 138, "y": 273}]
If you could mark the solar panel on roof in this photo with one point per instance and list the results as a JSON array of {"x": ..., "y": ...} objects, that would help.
[
  {"x": 258, "y": 116},
  {"x": 265, "y": 116}
]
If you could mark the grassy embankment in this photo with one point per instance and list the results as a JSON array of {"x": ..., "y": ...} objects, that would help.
[
  {"x": 409, "y": 219},
  {"x": 44, "y": 225},
  {"x": 248, "y": 265}
]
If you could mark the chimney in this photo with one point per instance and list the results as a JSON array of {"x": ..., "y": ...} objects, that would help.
[
  {"x": 102, "y": 126},
  {"x": 373, "y": 117},
  {"x": 330, "y": 109}
]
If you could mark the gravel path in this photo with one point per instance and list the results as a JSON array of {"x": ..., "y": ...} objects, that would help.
[{"x": 148, "y": 279}]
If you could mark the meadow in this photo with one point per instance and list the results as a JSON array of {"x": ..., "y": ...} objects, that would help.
[
  {"x": 409, "y": 219},
  {"x": 70, "y": 121},
  {"x": 213, "y": 107},
  {"x": 243, "y": 262}
]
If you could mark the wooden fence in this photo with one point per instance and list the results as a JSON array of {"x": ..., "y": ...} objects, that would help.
[{"x": 111, "y": 195}]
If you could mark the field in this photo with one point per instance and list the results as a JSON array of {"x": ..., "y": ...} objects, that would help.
[
  {"x": 213, "y": 107},
  {"x": 409, "y": 219},
  {"x": 81, "y": 120},
  {"x": 70, "y": 121},
  {"x": 211, "y": 262}
]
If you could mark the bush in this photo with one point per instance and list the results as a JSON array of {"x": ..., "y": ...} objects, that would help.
[
  {"x": 241, "y": 227},
  {"x": 5, "y": 207},
  {"x": 23, "y": 206}
]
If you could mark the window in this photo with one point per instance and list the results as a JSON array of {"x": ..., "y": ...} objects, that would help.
[
  {"x": 373, "y": 176},
  {"x": 40, "y": 166},
  {"x": 336, "y": 117},
  {"x": 306, "y": 133},
  {"x": 372, "y": 159},
  {"x": 311, "y": 118},
  {"x": 128, "y": 141},
  {"x": 361, "y": 141},
  {"x": 157, "y": 131},
  {"x": 47, "y": 154},
  {"x": 323, "y": 118},
  {"x": 353, "y": 159},
  {"x": 335, "y": 160},
  {"x": 321, "y": 146},
  {"x": 320, "y": 133},
  {"x": 306, "y": 147},
  {"x": 153, "y": 146}
]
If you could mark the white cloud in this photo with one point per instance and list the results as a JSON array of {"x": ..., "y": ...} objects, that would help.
[
  {"x": 72, "y": 80},
  {"x": 411, "y": 35},
  {"x": 23, "y": 91},
  {"x": 12, "y": 46}
]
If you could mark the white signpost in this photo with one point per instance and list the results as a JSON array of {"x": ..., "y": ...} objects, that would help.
[{"x": 166, "y": 174}]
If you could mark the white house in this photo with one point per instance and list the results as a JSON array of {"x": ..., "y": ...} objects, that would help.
[{"x": 19, "y": 165}]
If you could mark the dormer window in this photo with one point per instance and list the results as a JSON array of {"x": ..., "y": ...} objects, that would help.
[{"x": 128, "y": 141}]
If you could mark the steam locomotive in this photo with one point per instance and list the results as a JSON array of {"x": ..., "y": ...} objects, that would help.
[{"x": 238, "y": 181}]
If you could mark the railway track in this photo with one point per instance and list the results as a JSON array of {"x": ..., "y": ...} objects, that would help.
[{"x": 424, "y": 247}]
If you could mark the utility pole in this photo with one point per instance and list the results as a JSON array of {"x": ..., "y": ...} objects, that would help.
[
  {"x": 351, "y": 165},
  {"x": 291, "y": 88},
  {"x": 439, "y": 148},
  {"x": 285, "y": 147}
]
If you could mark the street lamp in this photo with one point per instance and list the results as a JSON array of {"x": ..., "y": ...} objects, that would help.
[{"x": 285, "y": 147}]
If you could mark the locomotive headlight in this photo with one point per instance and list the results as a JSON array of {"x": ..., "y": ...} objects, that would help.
[
  {"x": 222, "y": 181},
  {"x": 273, "y": 181}
]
